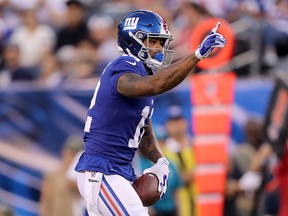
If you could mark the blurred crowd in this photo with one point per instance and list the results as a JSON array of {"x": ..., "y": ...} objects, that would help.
[
  {"x": 57, "y": 40},
  {"x": 250, "y": 188}
]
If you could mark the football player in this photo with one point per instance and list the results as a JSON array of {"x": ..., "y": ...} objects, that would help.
[{"x": 119, "y": 117}]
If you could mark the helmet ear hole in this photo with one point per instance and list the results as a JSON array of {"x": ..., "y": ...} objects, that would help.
[
  {"x": 141, "y": 54},
  {"x": 140, "y": 35}
]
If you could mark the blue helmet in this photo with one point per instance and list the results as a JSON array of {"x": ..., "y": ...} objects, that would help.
[{"x": 140, "y": 25}]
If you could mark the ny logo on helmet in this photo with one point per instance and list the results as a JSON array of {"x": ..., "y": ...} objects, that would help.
[{"x": 131, "y": 23}]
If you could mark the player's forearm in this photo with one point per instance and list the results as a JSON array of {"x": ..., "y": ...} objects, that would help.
[
  {"x": 169, "y": 77},
  {"x": 149, "y": 147},
  {"x": 150, "y": 150},
  {"x": 132, "y": 85}
]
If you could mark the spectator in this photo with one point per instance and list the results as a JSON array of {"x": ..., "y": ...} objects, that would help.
[
  {"x": 57, "y": 199},
  {"x": 118, "y": 8},
  {"x": 67, "y": 56},
  {"x": 50, "y": 72},
  {"x": 53, "y": 12},
  {"x": 101, "y": 31},
  {"x": 218, "y": 8},
  {"x": 242, "y": 158},
  {"x": 256, "y": 178},
  {"x": 253, "y": 139},
  {"x": 232, "y": 190},
  {"x": 75, "y": 30},
  {"x": 85, "y": 63},
  {"x": 275, "y": 31},
  {"x": 178, "y": 149},
  {"x": 72, "y": 184},
  {"x": 191, "y": 14},
  {"x": 33, "y": 39},
  {"x": 11, "y": 69},
  {"x": 5, "y": 210}
]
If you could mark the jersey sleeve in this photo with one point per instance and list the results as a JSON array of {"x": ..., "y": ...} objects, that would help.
[{"x": 126, "y": 64}]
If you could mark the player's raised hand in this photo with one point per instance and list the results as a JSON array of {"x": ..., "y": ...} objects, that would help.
[
  {"x": 161, "y": 169},
  {"x": 212, "y": 40}
]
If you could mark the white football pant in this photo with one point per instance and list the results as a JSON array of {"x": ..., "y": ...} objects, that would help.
[{"x": 109, "y": 195}]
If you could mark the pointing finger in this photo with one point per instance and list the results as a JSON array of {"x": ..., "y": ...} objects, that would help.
[{"x": 215, "y": 29}]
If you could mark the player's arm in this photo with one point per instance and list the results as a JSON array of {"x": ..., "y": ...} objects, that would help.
[
  {"x": 149, "y": 146},
  {"x": 133, "y": 85}
]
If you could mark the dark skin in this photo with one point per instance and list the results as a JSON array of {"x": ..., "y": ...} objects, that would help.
[
  {"x": 133, "y": 85},
  {"x": 149, "y": 145}
]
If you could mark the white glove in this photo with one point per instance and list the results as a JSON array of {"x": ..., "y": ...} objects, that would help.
[
  {"x": 250, "y": 181},
  {"x": 212, "y": 40},
  {"x": 161, "y": 170}
]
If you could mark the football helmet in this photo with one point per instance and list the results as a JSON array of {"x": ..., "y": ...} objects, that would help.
[{"x": 140, "y": 25}]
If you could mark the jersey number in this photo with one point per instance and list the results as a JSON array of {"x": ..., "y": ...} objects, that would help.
[
  {"x": 93, "y": 101},
  {"x": 134, "y": 143}
]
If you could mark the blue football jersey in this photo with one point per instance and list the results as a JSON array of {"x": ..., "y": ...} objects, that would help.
[{"x": 115, "y": 123}]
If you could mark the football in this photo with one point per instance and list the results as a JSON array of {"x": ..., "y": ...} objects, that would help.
[{"x": 146, "y": 187}]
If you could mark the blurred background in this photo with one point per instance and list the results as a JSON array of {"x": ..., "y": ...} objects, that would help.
[{"x": 52, "y": 53}]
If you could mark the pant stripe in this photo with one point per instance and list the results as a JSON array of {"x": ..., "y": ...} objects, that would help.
[
  {"x": 112, "y": 198},
  {"x": 107, "y": 205}
]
